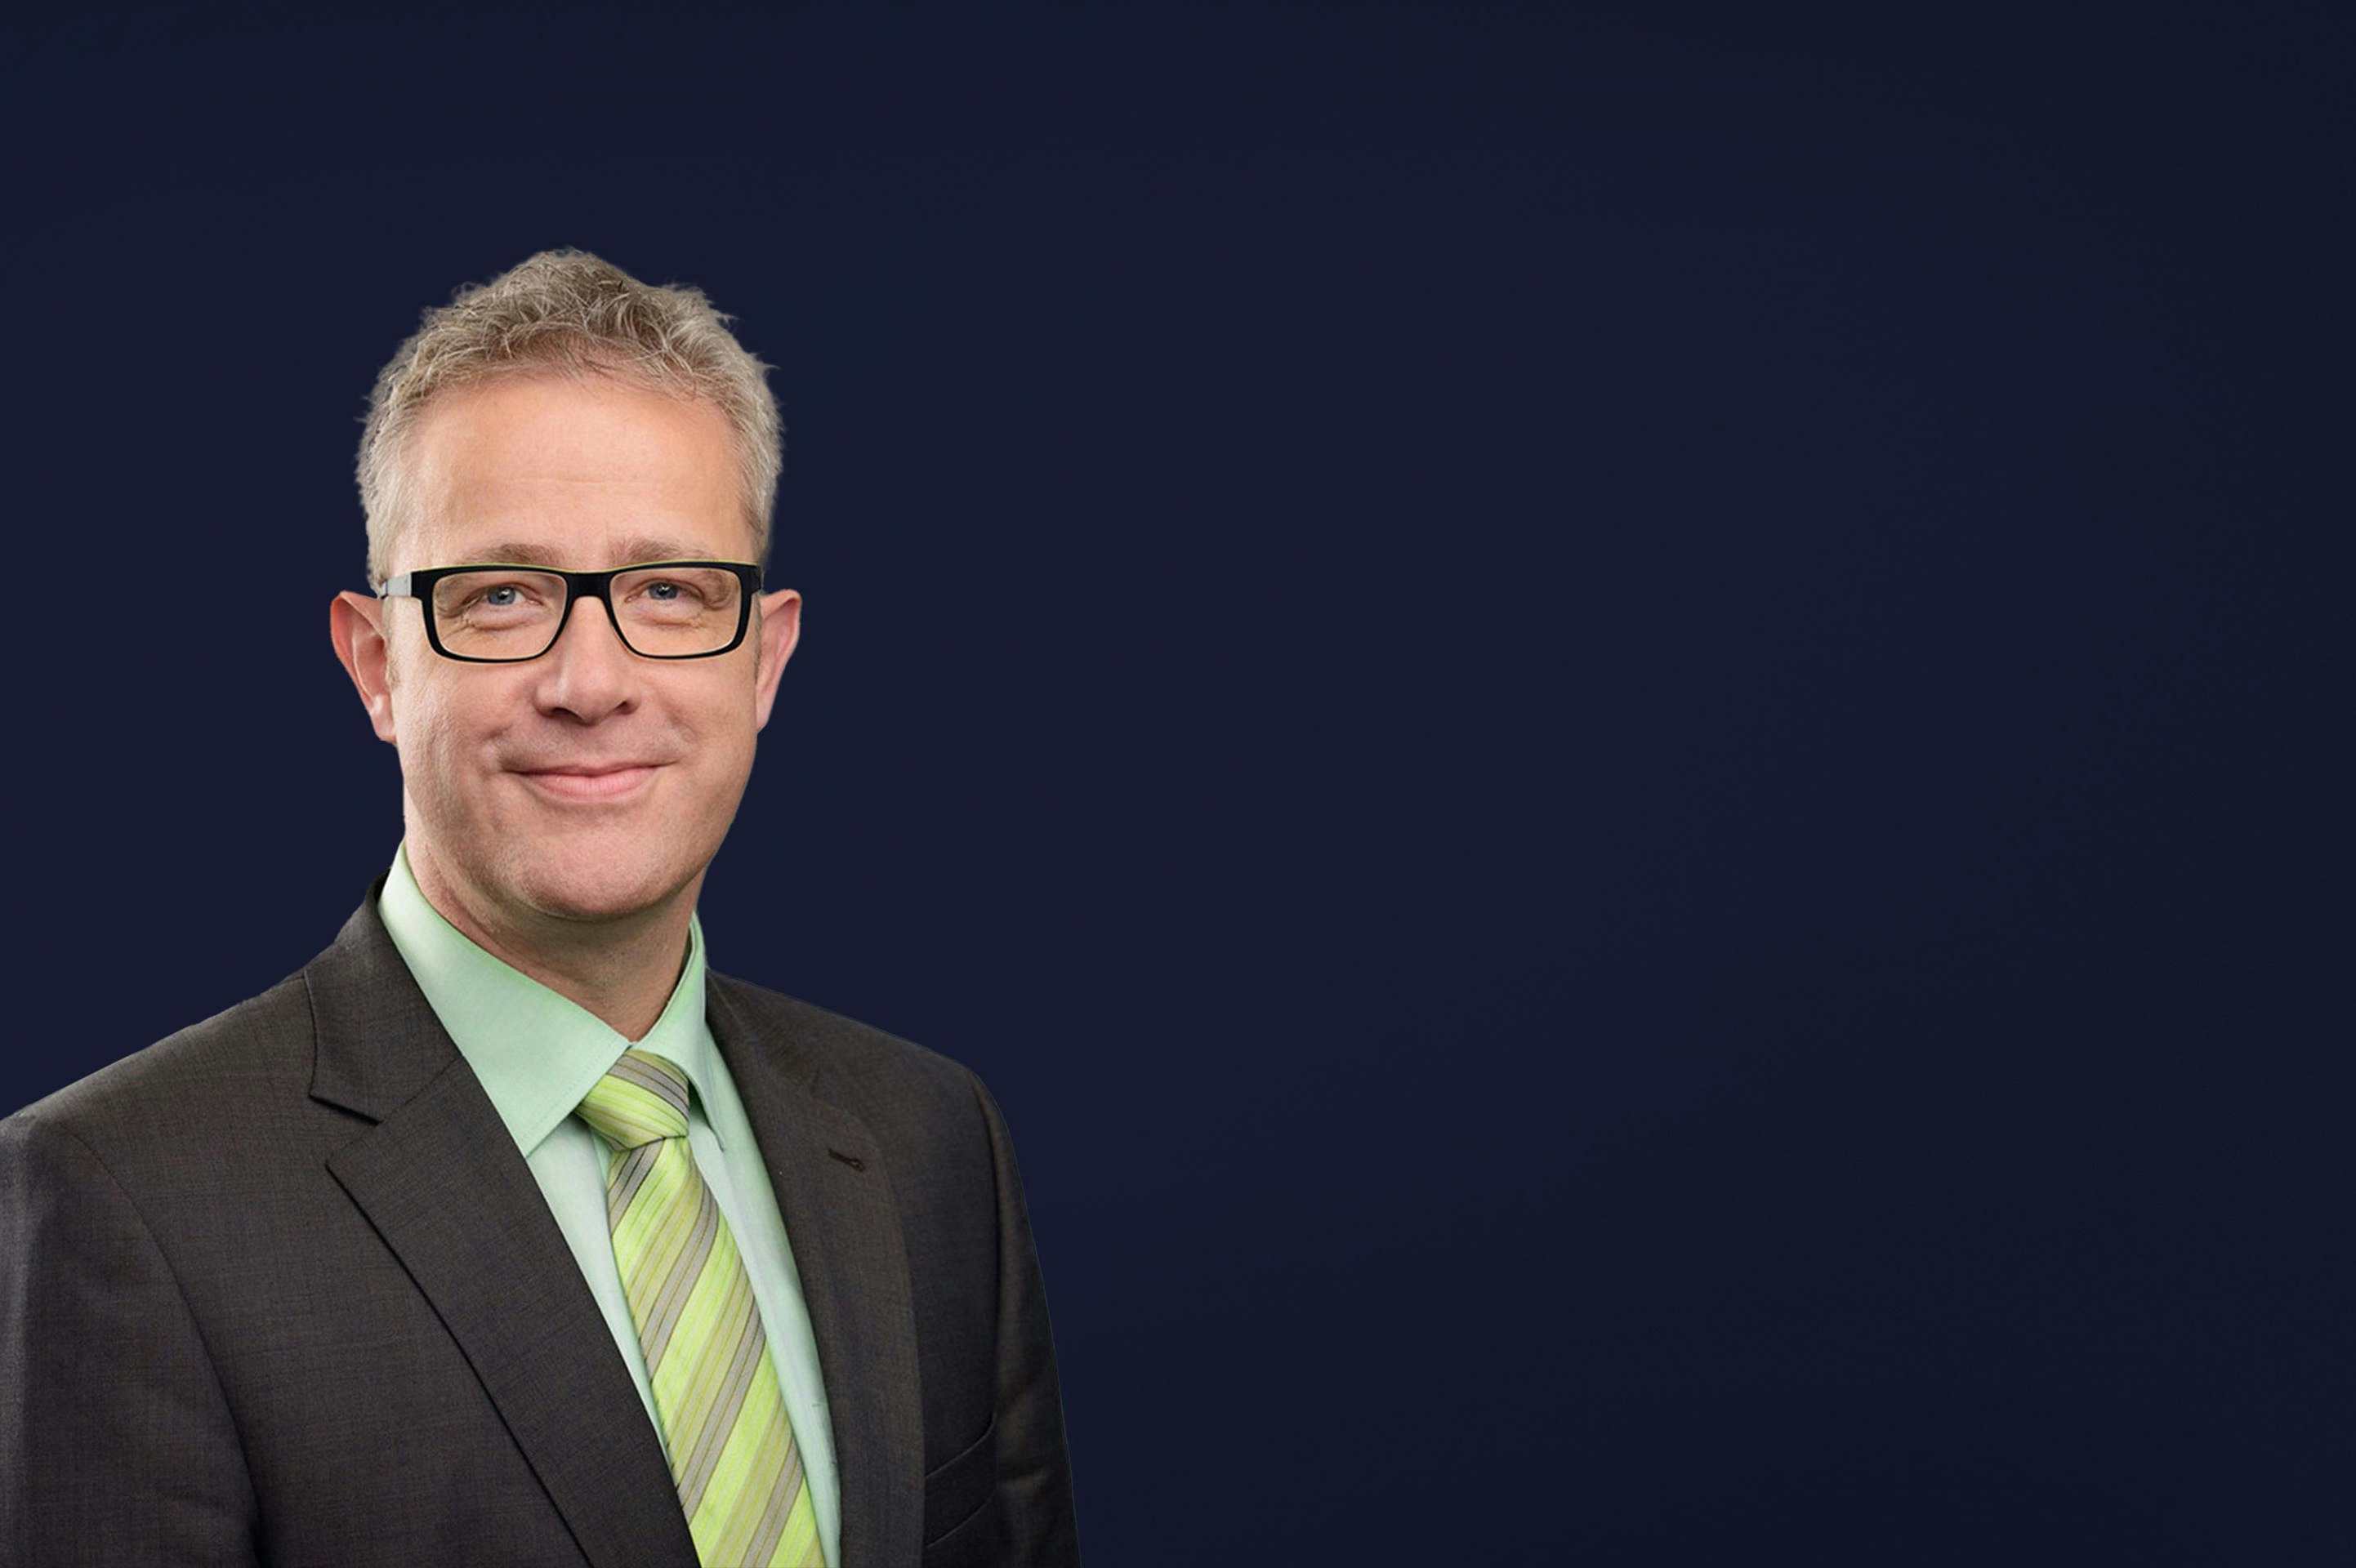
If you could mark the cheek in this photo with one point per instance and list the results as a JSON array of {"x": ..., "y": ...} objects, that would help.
[
  {"x": 439, "y": 727},
  {"x": 724, "y": 734}
]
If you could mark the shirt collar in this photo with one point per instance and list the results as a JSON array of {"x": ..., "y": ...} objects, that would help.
[{"x": 536, "y": 1052}]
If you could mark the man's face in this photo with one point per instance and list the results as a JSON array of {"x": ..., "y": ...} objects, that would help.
[{"x": 589, "y": 784}]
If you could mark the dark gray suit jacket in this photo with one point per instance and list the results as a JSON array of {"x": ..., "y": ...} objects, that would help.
[{"x": 282, "y": 1289}]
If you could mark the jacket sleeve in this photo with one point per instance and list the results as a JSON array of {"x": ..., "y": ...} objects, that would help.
[
  {"x": 1034, "y": 1468},
  {"x": 116, "y": 1443}
]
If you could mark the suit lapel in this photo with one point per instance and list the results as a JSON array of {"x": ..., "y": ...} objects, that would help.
[
  {"x": 844, "y": 1226},
  {"x": 446, "y": 1188}
]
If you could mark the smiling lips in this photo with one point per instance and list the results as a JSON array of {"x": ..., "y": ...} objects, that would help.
[{"x": 590, "y": 781}]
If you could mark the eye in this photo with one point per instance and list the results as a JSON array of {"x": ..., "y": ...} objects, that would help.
[
  {"x": 683, "y": 591},
  {"x": 508, "y": 594}
]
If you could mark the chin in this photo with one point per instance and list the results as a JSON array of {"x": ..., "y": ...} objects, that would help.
[{"x": 612, "y": 894}]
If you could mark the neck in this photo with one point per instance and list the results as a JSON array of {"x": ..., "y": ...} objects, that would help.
[{"x": 621, "y": 969}]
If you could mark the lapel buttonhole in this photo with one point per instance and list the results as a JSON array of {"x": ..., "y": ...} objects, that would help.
[{"x": 852, "y": 1160}]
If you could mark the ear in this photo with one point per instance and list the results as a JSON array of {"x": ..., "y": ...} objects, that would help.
[
  {"x": 781, "y": 630},
  {"x": 356, "y": 622}
]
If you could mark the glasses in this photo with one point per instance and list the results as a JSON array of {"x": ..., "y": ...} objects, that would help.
[{"x": 506, "y": 614}]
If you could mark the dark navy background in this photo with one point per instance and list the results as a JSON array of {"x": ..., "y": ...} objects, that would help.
[{"x": 1618, "y": 734}]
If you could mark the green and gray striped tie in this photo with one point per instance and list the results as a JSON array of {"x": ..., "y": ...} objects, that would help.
[{"x": 731, "y": 1448}]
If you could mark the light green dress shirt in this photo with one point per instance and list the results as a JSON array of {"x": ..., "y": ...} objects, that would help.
[{"x": 537, "y": 1055}]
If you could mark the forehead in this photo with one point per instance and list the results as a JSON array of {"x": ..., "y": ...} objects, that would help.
[{"x": 580, "y": 473}]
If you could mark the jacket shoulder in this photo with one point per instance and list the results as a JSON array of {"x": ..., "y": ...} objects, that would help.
[
  {"x": 239, "y": 1055},
  {"x": 856, "y": 1065}
]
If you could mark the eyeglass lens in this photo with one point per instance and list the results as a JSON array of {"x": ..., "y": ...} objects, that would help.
[{"x": 503, "y": 613}]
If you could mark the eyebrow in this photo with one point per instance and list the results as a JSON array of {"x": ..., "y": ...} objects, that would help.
[{"x": 633, "y": 551}]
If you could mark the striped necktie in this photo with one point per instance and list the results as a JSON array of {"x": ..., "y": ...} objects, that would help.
[{"x": 731, "y": 1448}]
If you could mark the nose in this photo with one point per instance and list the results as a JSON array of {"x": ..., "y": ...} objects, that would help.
[{"x": 589, "y": 673}]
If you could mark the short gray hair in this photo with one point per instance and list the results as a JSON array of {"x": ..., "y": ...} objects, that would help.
[{"x": 568, "y": 313}]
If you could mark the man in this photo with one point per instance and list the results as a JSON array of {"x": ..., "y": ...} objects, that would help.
[{"x": 505, "y": 1231}]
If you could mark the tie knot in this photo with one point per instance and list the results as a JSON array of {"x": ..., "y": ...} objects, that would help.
[{"x": 642, "y": 1098}]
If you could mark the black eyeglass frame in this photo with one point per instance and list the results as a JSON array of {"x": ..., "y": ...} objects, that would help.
[{"x": 578, "y": 585}]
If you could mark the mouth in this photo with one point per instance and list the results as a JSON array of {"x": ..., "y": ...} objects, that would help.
[{"x": 590, "y": 781}]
